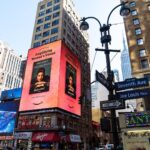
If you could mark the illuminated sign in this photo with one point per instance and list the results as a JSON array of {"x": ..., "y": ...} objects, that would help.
[
  {"x": 138, "y": 119},
  {"x": 52, "y": 79},
  {"x": 7, "y": 121}
]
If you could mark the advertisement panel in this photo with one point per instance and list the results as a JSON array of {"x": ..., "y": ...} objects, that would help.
[
  {"x": 7, "y": 121},
  {"x": 137, "y": 140},
  {"x": 52, "y": 79}
]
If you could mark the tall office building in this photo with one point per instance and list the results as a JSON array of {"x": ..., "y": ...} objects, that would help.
[
  {"x": 57, "y": 20},
  {"x": 125, "y": 62},
  {"x": 137, "y": 32},
  {"x": 116, "y": 75},
  {"x": 10, "y": 65}
]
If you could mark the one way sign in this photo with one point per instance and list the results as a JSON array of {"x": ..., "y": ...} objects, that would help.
[{"x": 113, "y": 104}]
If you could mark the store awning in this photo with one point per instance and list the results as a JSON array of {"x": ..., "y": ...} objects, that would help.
[{"x": 45, "y": 137}]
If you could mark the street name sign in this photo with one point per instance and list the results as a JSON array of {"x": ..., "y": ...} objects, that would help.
[
  {"x": 113, "y": 104},
  {"x": 131, "y": 83},
  {"x": 133, "y": 94},
  {"x": 101, "y": 78}
]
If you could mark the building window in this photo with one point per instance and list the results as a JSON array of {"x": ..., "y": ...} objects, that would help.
[
  {"x": 147, "y": 76},
  {"x": 132, "y": 4},
  {"x": 38, "y": 29},
  {"x": 36, "y": 44},
  {"x": 45, "y": 41},
  {"x": 46, "y": 33},
  {"x": 56, "y": 1},
  {"x": 47, "y": 25},
  {"x": 40, "y": 21},
  {"x": 47, "y": 18},
  {"x": 42, "y": 13},
  {"x": 55, "y": 22},
  {"x": 56, "y": 7},
  {"x": 56, "y": 14},
  {"x": 42, "y": 7},
  {"x": 54, "y": 30},
  {"x": 133, "y": 12},
  {"x": 142, "y": 52},
  {"x": 52, "y": 39},
  {"x": 144, "y": 63},
  {"x": 148, "y": 7},
  {"x": 49, "y": 4},
  {"x": 49, "y": 10},
  {"x": 140, "y": 41},
  {"x": 136, "y": 21},
  {"x": 138, "y": 31},
  {"x": 38, "y": 36}
]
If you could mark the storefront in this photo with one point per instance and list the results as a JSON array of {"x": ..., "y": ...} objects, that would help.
[
  {"x": 23, "y": 140},
  {"x": 6, "y": 141},
  {"x": 52, "y": 140},
  {"x": 135, "y": 130}
]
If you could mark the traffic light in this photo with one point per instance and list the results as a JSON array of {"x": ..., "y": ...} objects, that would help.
[
  {"x": 105, "y": 124},
  {"x": 80, "y": 99}
]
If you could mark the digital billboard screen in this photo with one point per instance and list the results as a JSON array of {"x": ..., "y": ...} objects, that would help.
[
  {"x": 52, "y": 79},
  {"x": 40, "y": 76},
  {"x": 70, "y": 80},
  {"x": 7, "y": 121}
]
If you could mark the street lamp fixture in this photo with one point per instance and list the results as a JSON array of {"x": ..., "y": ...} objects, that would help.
[{"x": 105, "y": 41}]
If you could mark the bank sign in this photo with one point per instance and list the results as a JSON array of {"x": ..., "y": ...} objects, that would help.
[{"x": 141, "y": 119}]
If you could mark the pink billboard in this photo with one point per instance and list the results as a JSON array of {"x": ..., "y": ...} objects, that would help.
[{"x": 52, "y": 79}]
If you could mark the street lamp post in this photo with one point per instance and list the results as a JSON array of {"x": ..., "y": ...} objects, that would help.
[{"x": 106, "y": 40}]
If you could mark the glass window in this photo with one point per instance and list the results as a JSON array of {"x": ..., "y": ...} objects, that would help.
[
  {"x": 136, "y": 21},
  {"x": 42, "y": 13},
  {"x": 140, "y": 41},
  {"x": 47, "y": 18},
  {"x": 39, "y": 21},
  {"x": 46, "y": 33},
  {"x": 52, "y": 39},
  {"x": 47, "y": 25},
  {"x": 144, "y": 63},
  {"x": 147, "y": 76},
  {"x": 49, "y": 10},
  {"x": 38, "y": 29},
  {"x": 37, "y": 36},
  {"x": 148, "y": 7},
  {"x": 56, "y": 1},
  {"x": 56, "y": 7},
  {"x": 45, "y": 41},
  {"x": 42, "y": 7},
  {"x": 36, "y": 44},
  {"x": 133, "y": 12},
  {"x": 54, "y": 30},
  {"x": 142, "y": 52},
  {"x": 55, "y": 22},
  {"x": 132, "y": 4},
  {"x": 49, "y": 4},
  {"x": 138, "y": 31},
  {"x": 56, "y": 14}
]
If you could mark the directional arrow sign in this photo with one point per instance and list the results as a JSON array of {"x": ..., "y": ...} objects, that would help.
[
  {"x": 113, "y": 104},
  {"x": 101, "y": 78}
]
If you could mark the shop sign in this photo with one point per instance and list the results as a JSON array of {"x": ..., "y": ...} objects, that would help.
[
  {"x": 6, "y": 137},
  {"x": 75, "y": 138},
  {"x": 138, "y": 119},
  {"x": 138, "y": 134},
  {"x": 45, "y": 137},
  {"x": 23, "y": 135}
]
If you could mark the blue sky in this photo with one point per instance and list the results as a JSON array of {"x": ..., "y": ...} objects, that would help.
[{"x": 17, "y": 22}]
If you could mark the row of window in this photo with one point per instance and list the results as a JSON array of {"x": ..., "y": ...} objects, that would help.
[
  {"x": 49, "y": 4},
  {"x": 42, "y": 13},
  {"x": 52, "y": 39},
  {"x": 133, "y": 3},
  {"x": 47, "y": 25},
  {"x": 46, "y": 33},
  {"x": 47, "y": 18}
]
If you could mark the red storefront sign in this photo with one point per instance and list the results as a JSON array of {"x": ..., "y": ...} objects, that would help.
[{"x": 45, "y": 137}]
